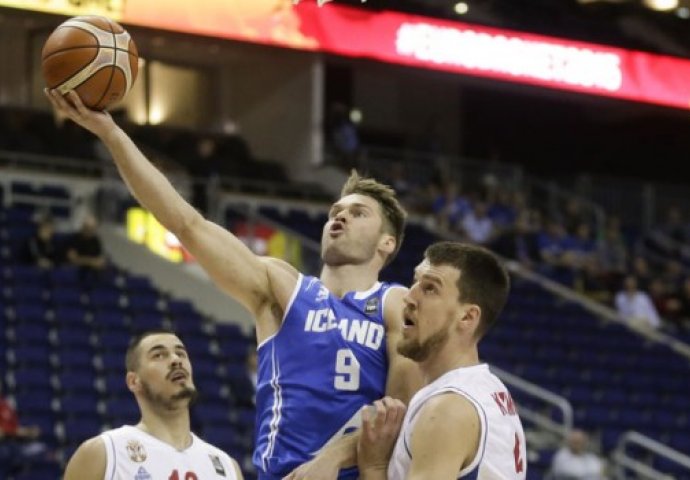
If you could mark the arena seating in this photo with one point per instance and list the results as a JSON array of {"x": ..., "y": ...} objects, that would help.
[{"x": 63, "y": 344}]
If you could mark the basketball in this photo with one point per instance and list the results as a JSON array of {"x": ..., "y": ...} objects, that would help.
[{"x": 93, "y": 56}]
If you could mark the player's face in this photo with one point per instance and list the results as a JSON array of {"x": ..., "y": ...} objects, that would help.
[
  {"x": 431, "y": 306},
  {"x": 353, "y": 232},
  {"x": 165, "y": 372}
]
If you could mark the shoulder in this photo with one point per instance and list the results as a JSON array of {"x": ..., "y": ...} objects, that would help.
[
  {"x": 393, "y": 305},
  {"x": 282, "y": 265},
  {"x": 88, "y": 462},
  {"x": 448, "y": 409}
]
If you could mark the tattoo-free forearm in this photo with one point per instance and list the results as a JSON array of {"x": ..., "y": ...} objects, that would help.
[{"x": 150, "y": 187}]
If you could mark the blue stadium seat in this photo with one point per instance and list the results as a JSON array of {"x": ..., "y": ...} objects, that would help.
[
  {"x": 83, "y": 380},
  {"x": 123, "y": 409},
  {"x": 79, "y": 428}
]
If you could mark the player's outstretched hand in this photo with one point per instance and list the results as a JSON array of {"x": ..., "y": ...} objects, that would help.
[
  {"x": 71, "y": 106},
  {"x": 380, "y": 427}
]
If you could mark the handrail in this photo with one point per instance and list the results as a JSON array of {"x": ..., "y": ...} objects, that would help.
[
  {"x": 632, "y": 437},
  {"x": 39, "y": 161},
  {"x": 536, "y": 391},
  {"x": 598, "y": 309}
]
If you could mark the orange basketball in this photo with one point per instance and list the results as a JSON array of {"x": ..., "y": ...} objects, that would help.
[{"x": 92, "y": 55}]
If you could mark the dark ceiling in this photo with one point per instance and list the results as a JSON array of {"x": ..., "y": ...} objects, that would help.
[{"x": 626, "y": 23}]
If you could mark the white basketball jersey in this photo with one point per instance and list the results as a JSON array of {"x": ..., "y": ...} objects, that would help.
[
  {"x": 501, "y": 452},
  {"x": 135, "y": 455}
]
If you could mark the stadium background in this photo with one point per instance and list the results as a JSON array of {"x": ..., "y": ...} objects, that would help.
[{"x": 245, "y": 113}]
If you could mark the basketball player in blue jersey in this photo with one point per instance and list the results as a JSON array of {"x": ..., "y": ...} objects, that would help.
[{"x": 326, "y": 346}]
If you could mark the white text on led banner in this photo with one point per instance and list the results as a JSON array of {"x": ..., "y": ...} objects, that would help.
[{"x": 510, "y": 56}]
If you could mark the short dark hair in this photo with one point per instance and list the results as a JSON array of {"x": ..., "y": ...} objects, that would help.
[
  {"x": 394, "y": 215},
  {"x": 483, "y": 278},
  {"x": 132, "y": 355}
]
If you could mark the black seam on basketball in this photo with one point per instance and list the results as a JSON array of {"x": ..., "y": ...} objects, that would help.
[
  {"x": 77, "y": 48},
  {"x": 112, "y": 69}
]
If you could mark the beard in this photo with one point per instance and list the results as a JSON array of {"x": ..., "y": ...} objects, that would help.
[
  {"x": 171, "y": 402},
  {"x": 420, "y": 351}
]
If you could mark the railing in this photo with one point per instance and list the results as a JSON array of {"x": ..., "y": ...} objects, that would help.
[
  {"x": 602, "y": 311},
  {"x": 622, "y": 460},
  {"x": 544, "y": 421}
]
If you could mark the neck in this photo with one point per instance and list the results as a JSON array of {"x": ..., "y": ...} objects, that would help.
[
  {"x": 172, "y": 427},
  {"x": 348, "y": 278},
  {"x": 449, "y": 358}
]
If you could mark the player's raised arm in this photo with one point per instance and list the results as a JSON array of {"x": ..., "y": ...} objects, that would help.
[
  {"x": 230, "y": 263},
  {"x": 88, "y": 461}
]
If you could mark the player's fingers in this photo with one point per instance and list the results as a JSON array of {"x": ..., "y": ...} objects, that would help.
[
  {"x": 394, "y": 417},
  {"x": 380, "y": 414},
  {"x": 62, "y": 104},
  {"x": 78, "y": 104},
  {"x": 368, "y": 415}
]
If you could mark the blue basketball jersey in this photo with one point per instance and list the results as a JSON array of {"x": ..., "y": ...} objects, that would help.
[{"x": 326, "y": 361}]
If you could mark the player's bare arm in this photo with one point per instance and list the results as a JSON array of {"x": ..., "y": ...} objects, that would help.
[
  {"x": 445, "y": 438},
  {"x": 260, "y": 285},
  {"x": 238, "y": 471},
  {"x": 88, "y": 461},
  {"x": 404, "y": 376}
]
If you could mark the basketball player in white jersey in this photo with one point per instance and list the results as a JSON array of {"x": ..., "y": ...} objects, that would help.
[
  {"x": 161, "y": 446},
  {"x": 463, "y": 423},
  {"x": 326, "y": 345}
]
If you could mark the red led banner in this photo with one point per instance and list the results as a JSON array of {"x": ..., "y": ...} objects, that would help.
[
  {"x": 409, "y": 40},
  {"x": 500, "y": 54}
]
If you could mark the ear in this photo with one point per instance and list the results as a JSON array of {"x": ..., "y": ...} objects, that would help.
[
  {"x": 470, "y": 316},
  {"x": 387, "y": 243},
  {"x": 133, "y": 382}
]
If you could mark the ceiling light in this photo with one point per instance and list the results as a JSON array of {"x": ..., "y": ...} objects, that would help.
[
  {"x": 683, "y": 12},
  {"x": 662, "y": 5},
  {"x": 461, "y": 8}
]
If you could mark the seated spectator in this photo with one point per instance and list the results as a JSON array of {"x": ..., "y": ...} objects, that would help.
[
  {"x": 677, "y": 306},
  {"x": 635, "y": 305},
  {"x": 574, "y": 462},
  {"x": 520, "y": 242},
  {"x": 40, "y": 249},
  {"x": 556, "y": 249},
  {"x": 450, "y": 207},
  {"x": 85, "y": 250},
  {"x": 612, "y": 256},
  {"x": 476, "y": 226},
  {"x": 642, "y": 271},
  {"x": 19, "y": 444}
]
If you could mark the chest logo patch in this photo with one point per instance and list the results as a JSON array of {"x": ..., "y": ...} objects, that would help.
[
  {"x": 371, "y": 306},
  {"x": 136, "y": 451}
]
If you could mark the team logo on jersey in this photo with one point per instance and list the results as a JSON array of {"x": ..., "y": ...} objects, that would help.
[
  {"x": 217, "y": 464},
  {"x": 136, "y": 451},
  {"x": 142, "y": 474},
  {"x": 372, "y": 305},
  {"x": 322, "y": 295}
]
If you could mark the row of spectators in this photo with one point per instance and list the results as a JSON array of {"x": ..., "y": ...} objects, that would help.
[
  {"x": 566, "y": 244},
  {"x": 82, "y": 249}
]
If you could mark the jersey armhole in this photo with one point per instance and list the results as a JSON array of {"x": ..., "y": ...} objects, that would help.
[
  {"x": 110, "y": 456},
  {"x": 483, "y": 425},
  {"x": 295, "y": 291}
]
